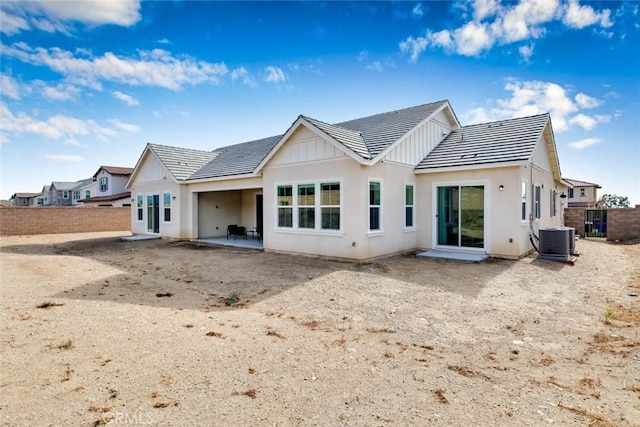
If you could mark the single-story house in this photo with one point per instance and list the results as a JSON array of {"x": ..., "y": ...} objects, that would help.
[
  {"x": 393, "y": 182},
  {"x": 26, "y": 199}
]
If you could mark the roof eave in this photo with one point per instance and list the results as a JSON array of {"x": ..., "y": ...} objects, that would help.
[
  {"x": 493, "y": 165},
  {"x": 221, "y": 178}
]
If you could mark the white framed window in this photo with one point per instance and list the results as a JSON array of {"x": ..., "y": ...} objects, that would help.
[
  {"x": 330, "y": 205},
  {"x": 87, "y": 194},
  {"x": 76, "y": 194},
  {"x": 139, "y": 206},
  {"x": 166, "y": 207},
  {"x": 571, "y": 193},
  {"x": 284, "y": 201},
  {"x": 65, "y": 194},
  {"x": 375, "y": 206},
  {"x": 583, "y": 192},
  {"x": 104, "y": 183},
  {"x": 536, "y": 202},
  {"x": 409, "y": 211},
  {"x": 523, "y": 202},
  {"x": 307, "y": 206},
  {"x": 552, "y": 200}
]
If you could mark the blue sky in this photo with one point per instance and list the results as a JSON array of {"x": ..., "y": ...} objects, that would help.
[{"x": 86, "y": 84}]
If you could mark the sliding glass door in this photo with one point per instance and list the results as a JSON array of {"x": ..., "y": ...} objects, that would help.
[{"x": 461, "y": 216}]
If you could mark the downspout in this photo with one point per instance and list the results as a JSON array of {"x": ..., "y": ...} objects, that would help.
[{"x": 535, "y": 241}]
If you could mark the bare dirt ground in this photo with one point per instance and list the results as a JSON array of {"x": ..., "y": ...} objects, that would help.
[{"x": 98, "y": 331}]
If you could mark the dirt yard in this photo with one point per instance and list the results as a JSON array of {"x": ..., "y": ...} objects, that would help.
[{"x": 98, "y": 331}]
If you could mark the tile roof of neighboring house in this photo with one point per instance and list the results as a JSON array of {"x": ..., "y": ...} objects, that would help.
[
  {"x": 25, "y": 195},
  {"x": 381, "y": 130},
  {"x": 182, "y": 162},
  {"x": 118, "y": 196},
  {"x": 237, "y": 159},
  {"x": 496, "y": 142},
  {"x": 114, "y": 170},
  {"x": 577, "y": 183},
  {"x": 82, "y": 183},
  {"x": 63, "y": 185}
]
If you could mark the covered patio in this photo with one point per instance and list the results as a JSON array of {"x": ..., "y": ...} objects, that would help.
[{"x": 249, "y": 243}]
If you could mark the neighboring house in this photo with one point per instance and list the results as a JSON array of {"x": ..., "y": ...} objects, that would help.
[
  {"x": 388, "y": 183},
  {"x": 46, "y": 195},
  {"x": 67, "y": 193},
  {"x": 583, "y": 194},
  {"x": 27, "y": 199},
  {"x": 107, "y": 187}
]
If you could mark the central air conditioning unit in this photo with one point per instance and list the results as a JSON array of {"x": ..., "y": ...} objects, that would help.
[{"x": 557, "y": 243}]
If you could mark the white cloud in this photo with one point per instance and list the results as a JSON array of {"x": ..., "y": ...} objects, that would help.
[
  {"x": 363, "y": 54},
  {"x": 57, "y": 127},
  {"x": 414, "y": 47},
  {"x": 529, "y": 98},
  {"x": 242, "y": 73},
  {"x": 526, "y": 52},
  {"x": 152, "y": 68},
  {"x": 577, "y": 16},
  {"x": 584, "y": 143},
  {"x": 9, "y": 87},
  {"x": 274, "y": 75},
  {"x": 64, "y": 157},
  {"x": 126, "y": 127},
  {"x": 60, "y": 92},
  {"x": 586, "y": 101},
  {"x": 12, "y": 24},
  {"x": 51, "y": 16},
  {"x": 588, "y": 122},
  {"x": 164, "y": 41},
  {"x": 376, "y": 66},
  {"x": 127, "y": 99},
  {"x": 495, "y": 23},
  {"x": 417, "y": 10}
]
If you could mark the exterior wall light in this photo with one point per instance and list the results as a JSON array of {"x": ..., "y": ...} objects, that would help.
[{"x": 501, "y": 188}]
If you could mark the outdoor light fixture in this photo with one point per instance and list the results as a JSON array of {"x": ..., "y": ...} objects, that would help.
[
  {"x": 563, "y": 196},
  {"x": 501, "y": 188}
]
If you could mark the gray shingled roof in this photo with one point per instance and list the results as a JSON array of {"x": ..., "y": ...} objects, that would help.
[
  {"x": 350, "y": 138},
  {"x": 496, "y": 142},
  {"x": 578, "y": 183},
  {"x": 237, "y": 159},
  {"x": 182, "y": 162},
  {"x": 65, "y": 185},
  {"x": 381, "y": 130}
]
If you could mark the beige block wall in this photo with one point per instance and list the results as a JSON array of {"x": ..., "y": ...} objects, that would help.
[{"x": 54, "y": 220}]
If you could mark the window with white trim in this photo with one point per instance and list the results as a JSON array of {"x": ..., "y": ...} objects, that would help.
[
  {"x": 104, "y": 183},
  {"x": 307, "y": 206},
  {"x": 65, "y": 194},
  {"x": 375, "y": 205},
  {"x": 536, "y": 202},
  {"x": 330, "y": 205},
  {"x": 285, "y": 206},
  {"x": 76, "y": 194},
  {"x": 524, "y": 201},
  {"x": 571, "y": 193},
  {"x": 583, "y": 192},
  {"x": 408, "y": 206},
  {"x": 140, "y": 206},
  {"x": 166, "y": 204},
  {"x": 87, "y": 194},
  {"x": 552, "y": 196}
]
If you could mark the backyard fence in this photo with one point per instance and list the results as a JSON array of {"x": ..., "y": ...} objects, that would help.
[
  {"x": 54, "y": 220},
  {"x": 621, "y": 223}
]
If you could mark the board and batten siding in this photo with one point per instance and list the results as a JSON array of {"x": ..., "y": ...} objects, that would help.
[
  {"x": 421, "y": 141},
  {"x": 152, "y": 170},
  {"x": 305, "y": 146}
]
